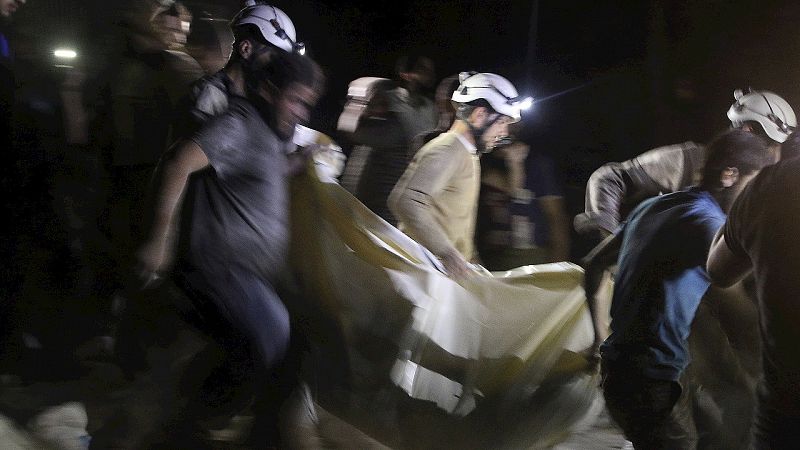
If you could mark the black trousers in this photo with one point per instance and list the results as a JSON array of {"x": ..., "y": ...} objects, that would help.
[{"x": 654, "y": 414}]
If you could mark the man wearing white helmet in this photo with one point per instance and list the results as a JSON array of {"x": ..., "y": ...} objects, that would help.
[
  {"x": 221, "y": 214},
  {"x": 616, "y": 188},
  {"x": 436, "y": 199},
  {"x": 260, "y": 30}
]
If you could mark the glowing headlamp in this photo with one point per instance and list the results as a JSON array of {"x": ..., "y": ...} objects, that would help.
[
  {"x": 65, "y": 53},
  {"x": 525, "y": 103}
]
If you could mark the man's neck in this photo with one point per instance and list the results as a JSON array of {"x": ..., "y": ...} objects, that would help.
[
  {"x": 235, "y": 72},
  {"x": 461, "y": 127},
  {"x": 723, "y": 196}
]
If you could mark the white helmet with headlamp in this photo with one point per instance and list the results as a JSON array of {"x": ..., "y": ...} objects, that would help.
[
  {"x": 771, "y": 111},
  {"x": 501, "y": 95},
  {"x": 275, "y": 26}
]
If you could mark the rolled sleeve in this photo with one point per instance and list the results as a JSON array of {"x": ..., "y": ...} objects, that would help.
[{"x": 661, "y": 170}]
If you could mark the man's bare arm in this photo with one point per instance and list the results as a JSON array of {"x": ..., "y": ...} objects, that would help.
[
  {"x": 725, "y": 267},
  {"x": 595, "y": 264},
  {"x": 171, "y": 178}
]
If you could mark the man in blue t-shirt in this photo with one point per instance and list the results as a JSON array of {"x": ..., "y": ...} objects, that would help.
[{"x": 660, "y": 280}]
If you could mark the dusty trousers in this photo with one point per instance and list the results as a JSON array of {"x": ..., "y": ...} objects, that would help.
[
  {"x": 249, "y": 325},
  {"x": 654, "y": 414}
]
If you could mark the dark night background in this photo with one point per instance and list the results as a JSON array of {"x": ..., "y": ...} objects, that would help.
[{"x": 614, "y": 77}]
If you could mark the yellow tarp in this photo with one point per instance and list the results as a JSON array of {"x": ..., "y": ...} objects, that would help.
[{"x": 412, "y": 338}]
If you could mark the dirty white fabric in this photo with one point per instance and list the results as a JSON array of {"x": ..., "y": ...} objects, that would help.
[
  {"x": 13, "y": 438},
  {"x": 489, "y": 362}
]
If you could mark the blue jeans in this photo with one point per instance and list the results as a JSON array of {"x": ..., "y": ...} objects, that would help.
[{"x": 244, "y": 315}]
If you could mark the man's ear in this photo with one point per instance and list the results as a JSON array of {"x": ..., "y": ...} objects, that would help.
[
  {"x": 729, "y": 176},
  {"x": 244, "y": 48}
]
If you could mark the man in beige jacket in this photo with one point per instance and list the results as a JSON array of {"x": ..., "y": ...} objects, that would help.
[{"x": 436, "y": 199}]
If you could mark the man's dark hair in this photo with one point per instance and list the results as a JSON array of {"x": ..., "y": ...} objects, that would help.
[
  {"x": 464, "y": 110},
  {"x": 285, "y": 69},
  {"x": 735, "y": 148},
  {"x": 407, "y": 63},
  {"x": 790, "y": 148},
  {"x": 208, "y": 32}
]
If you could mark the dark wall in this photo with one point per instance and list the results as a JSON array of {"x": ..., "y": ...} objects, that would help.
[{"x": 614, "y": 77}]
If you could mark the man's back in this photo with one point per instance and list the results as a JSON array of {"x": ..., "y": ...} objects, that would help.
[
  {"x": 416, "y": 114},
  {"x": 763, "y": 227},
  {"x": 615, "y": 189},
  {"x": 661, "y": 279},
  {"x": 144, "y": 93}
]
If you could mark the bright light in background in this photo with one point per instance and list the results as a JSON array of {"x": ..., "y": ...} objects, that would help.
[
  {"x": 526, "y": 103},
  {"x": 65, "y": 53}
]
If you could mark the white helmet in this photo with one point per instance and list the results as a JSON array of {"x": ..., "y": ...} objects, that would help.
[
  {"x": 275, "y": 26},
  {"x": 768, "y": 109},
  {"x": 496, "y": 90}
]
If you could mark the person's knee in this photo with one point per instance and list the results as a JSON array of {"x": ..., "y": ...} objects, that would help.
[
  {"x": 272, "y": 341},
  {"x": 282, "y": 334}
]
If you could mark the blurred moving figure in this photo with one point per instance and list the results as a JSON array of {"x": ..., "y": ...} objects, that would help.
[
  {"x": 436, "y": 199},
  {"x": 760, "y": 235},
  {"x": 9, "y": 7},
  {"x": 233, "y": 227},
  {"x": 414, "y": 74},
  {"x": 445, "y": 111},
  {"x": 521, "y": 218},
  {"x": 660, "y": 281},
  {"x": 210, "y": 42},
  {"x": 392, "y": 119},
  {"x": 261, "y": 32},
  {"x": 200, "y": 100},
  {"x": 367, "y": 101},
  {"x": 616, "y": 188},
  {"x": 173, "y": 25},
  {"x": 139, "y": 104}
]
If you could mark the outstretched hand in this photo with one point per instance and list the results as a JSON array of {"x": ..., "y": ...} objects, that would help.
[
  {"x": 456, "y": 266},
  {"x": 592, "y": 355}
]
